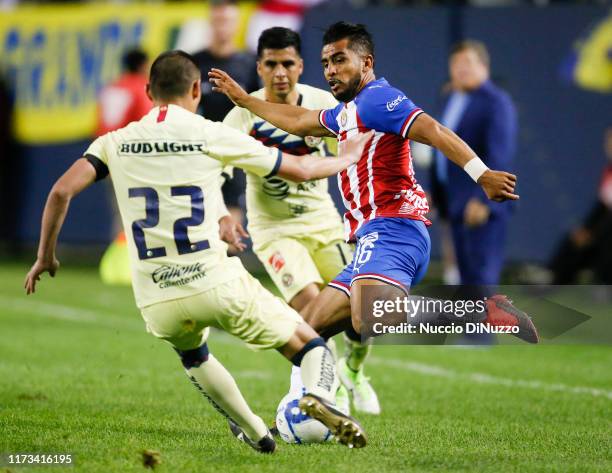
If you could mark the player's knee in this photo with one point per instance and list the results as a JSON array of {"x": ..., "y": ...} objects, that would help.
[
  {"x": 311, "y": 344},
  {"x": 194, "y": 358}
]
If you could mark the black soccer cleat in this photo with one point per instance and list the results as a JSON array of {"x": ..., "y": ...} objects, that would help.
[
  {"x": 274, "y": 430},
  {"x": 345, "y": 429},
  {"x": 265, "y": 445},
  {"x": 501, "y": 312}
]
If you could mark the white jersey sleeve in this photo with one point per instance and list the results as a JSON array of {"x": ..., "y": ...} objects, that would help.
[
  {"x": 239, "y": 119},
  {"x": 236, "y": 149},
  {"x": 98, "y": 149}
]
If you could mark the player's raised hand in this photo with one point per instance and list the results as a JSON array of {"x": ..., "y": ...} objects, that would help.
[
  {"x": 37, "y": 269},
  {"x": 232, "y": 232},
  {"x": 223, "y": 83},
  {"x": 498, "y": 185},
  {"x": 352, "y": 148}
]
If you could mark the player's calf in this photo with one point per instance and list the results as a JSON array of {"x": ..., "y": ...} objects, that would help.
[{"x": 217, "y": 385}]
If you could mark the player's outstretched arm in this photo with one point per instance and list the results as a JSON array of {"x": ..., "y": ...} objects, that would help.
[
  {"x": 80, "y": 175},
  {"x": 497, "y": 185},
  {"x": 305, "y": 168},
  {"x": 293, "y": 119}
]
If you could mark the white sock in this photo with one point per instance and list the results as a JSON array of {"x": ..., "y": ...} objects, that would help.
[
  {"x": 318, "y": 369},
  {"x": 331, "y": 344},
  {"x": 218, "y": 386},
  {"x": 296, "y": 385}
]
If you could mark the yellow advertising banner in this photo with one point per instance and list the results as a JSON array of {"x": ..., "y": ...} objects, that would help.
[{"x": 59, "y": 57}]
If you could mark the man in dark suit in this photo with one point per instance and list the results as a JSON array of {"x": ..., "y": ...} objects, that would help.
[{"x": 484, "y": 116}]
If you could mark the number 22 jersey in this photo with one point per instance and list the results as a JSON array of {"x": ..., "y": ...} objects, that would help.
[{"x": 166, "y": 171}]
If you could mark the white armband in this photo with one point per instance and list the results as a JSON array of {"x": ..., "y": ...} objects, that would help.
[{"x": 475, "y": 168}]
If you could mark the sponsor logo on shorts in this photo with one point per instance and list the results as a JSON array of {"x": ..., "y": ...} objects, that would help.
[
  {"x": 298, "y": 209},
  {"x": 277, "y": 261},
  {"x": 287, "y": 280},
  {"x": 176, "y": 275}
]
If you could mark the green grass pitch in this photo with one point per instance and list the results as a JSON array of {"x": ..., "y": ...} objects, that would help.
[{"x": 79, "y": 375}]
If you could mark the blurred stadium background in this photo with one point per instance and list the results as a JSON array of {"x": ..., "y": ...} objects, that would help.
[
  {"x": 554, "y": 58},
  {"x": 80, "y": 374}
]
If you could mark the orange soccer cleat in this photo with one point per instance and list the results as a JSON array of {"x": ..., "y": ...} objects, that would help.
[{"x": 501, "y": 312}]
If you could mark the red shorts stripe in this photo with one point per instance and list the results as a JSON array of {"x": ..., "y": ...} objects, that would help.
[{"x": 340, "y": 287}]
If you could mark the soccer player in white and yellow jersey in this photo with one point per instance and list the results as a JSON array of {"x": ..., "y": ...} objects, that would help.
[
  {"x": 166, "y": 171},
  {"x": 296, "y": 230}
]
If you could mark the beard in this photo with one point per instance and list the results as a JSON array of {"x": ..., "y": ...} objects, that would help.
[{"x": 350, "y": 92}]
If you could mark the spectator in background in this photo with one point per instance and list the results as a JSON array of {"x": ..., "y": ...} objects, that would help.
[
  {"x": 242, "y": 66},
  {"x": 269, "y": 13},
  {"x": 223, "y": 54},
  {"x": 484, "y": 116},
  {"x": 590, "y": 244},
  {"x": 125, "y": 100}
]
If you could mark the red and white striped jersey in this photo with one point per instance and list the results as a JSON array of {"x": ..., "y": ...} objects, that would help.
[{"x": 382, "y": 183}]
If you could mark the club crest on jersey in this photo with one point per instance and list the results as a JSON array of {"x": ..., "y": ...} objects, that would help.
[
  {"x": 394, "y": 103},
  {"x": 313, "y": 141},
  {"x": 277, "y": 261},
  {"x": 287, "y": 280},
  {"x": 343, "y": 118}
]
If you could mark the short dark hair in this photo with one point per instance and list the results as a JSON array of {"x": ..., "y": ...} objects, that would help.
[
  {"x": 360, "y": 39},
  {"x": 278, "y": 38},
  {"x": 133, "y": 59},
  {"x": 471, "y": 44},
  {"x": 172, "y": 74}
]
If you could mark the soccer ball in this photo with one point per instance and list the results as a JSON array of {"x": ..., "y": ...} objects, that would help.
[{"x": 296, "y": 427}]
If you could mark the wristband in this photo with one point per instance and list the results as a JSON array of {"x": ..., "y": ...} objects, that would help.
[{"x": 475, "y": 168}]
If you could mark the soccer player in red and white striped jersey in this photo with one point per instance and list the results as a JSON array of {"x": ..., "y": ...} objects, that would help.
[{"x": 385, "y": 206}]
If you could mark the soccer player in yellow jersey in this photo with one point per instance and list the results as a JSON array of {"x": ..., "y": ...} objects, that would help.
[
  {"x": 296, "y": 230},
  {"x": 166, "y": 171}
]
